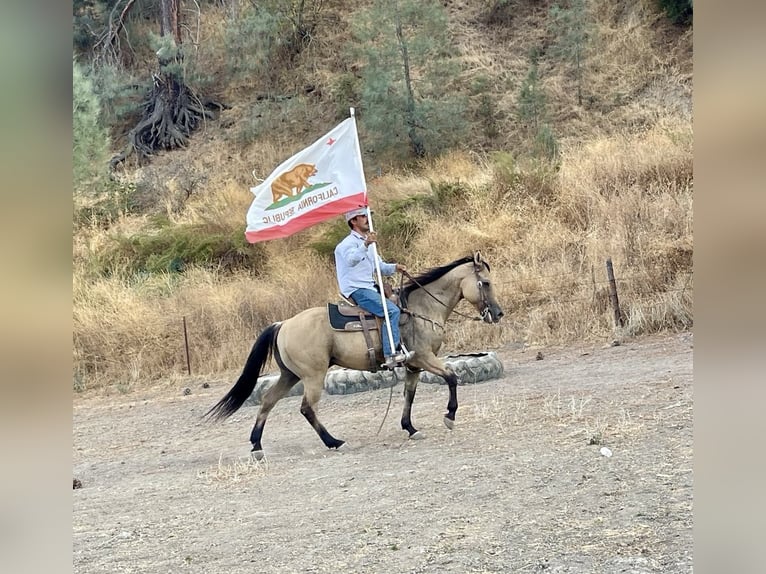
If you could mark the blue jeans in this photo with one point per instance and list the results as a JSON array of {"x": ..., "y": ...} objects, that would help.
[{"x": 369, "y": 300}]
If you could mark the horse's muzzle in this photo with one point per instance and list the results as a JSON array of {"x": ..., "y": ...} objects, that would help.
[{"x": 492, "y": 314}]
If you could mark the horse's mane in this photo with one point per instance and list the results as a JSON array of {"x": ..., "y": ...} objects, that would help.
[{"x": 432, "y": 275}]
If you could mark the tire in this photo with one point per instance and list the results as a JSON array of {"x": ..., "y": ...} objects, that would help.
[{"x": 470, "y": 369}]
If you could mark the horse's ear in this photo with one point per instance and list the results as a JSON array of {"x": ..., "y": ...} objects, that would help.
[{"x": 478, "y": 262}]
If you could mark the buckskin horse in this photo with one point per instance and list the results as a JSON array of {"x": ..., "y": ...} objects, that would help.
[{"x": 306, "y": 345}]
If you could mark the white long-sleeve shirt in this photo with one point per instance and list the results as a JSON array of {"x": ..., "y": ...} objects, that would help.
[{"x": 355, "y": 266}]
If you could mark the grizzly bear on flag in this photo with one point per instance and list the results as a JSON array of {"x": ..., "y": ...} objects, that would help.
[{"x": 296, "y": 179}]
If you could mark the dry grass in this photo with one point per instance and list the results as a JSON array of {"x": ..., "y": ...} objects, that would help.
[
  {"x": 234, "y": 471},
  {"x": 622, "y": 189}
]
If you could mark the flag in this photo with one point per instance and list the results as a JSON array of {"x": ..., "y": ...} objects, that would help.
[{"x": 324, "y": 180}]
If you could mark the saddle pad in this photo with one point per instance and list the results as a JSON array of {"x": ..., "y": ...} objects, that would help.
[{"x": 339, "y": 321}]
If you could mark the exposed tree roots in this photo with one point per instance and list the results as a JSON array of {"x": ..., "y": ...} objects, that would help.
[{"x": 171, "y": 113}]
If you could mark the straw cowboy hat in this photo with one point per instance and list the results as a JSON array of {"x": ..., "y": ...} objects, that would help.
[{"x": 354, "y": 212}]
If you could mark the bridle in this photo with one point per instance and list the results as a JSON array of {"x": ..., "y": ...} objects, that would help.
[{"x": 482, "y": 293}]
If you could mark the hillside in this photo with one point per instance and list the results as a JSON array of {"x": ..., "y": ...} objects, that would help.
[{"x": 559, "y": 169}]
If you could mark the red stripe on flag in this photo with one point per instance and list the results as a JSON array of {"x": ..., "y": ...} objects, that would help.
[{"x": 301, "y": 222}]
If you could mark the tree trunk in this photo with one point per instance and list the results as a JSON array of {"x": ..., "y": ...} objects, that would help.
[
  {"x": 169, "y": 25},
  {"x": 418, "y": 148}
]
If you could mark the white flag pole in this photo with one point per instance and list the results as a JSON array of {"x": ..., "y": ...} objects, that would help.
[{"x": 375, "y": 250}]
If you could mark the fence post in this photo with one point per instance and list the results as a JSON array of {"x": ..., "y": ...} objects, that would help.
[
  {"x": 186, "y": 344},
  {"x": 613, "y": 294}
]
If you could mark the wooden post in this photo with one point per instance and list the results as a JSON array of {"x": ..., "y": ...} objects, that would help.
[
  {"x": 186, "y": 344},
  {"x": 593, "y": 283},
  {"x": 613, "y": 294}
]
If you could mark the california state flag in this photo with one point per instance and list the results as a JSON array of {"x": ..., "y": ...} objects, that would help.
[{"x": 323, "y": 180}]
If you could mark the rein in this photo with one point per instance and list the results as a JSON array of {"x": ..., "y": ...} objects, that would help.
[{"x": 481, "y": 290}]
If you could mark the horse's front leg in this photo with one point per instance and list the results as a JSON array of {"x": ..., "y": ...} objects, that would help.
[
  {"x": 410, "y": 386},
  {"x": 451, "y": 378},
  {"x": 434, "y": 365}
]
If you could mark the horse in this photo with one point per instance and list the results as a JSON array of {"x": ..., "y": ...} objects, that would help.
[{"x": 305, "y": 346}]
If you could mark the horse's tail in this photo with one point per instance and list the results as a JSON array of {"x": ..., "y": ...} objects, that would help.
[{"x": 243, "y": 388}]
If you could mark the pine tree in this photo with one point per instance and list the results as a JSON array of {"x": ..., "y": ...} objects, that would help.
[
  {"x": 90, "y": 140},
  {"x": 571, "y": 28},
  {"x": 408, "y": 70},
  {"x": 531, "y": 102}
]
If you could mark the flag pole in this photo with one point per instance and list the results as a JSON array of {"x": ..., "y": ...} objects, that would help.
[{"x": 375, "y": 250}]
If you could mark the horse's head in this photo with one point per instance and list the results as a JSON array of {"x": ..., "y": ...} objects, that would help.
[{"x": 479, "y": 291}]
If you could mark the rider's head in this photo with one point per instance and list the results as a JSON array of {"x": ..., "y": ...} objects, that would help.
[{"x": 354, "y": 216}]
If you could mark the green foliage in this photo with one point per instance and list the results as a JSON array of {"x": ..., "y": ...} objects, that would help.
[
  {"x": 445, "y": 196},
  {"x": 121, "y": 95},
  {"x": 531, "y": 111},
  {"x": 87, "y": 19},
  {"x": 402, "y": 221},
  {"x": 265, "y": 37},
  {"x": 90, "y": 140},
  {"x": 400, "y": 225},
  {"x": 571, "y": 30},
  {"x": 535, "y": 183},
  {"x": 486, "y": 113},
  {"x": 268, "y": 118},
  {"x": 488, "y": 116},
  {"x": 531, "y": 100},
  {"x": 504, "y": 166},
  {"x": 171, "y": 248},
  {"x": 101, "y": 210},
  {"x": 345, "y": 94},
  {"x": 253, "y": 41},
  {"x": 409, "y": 100},
  {"x": 680, "y": 12},
  {"x": 168, "y": 53},
  {"x": 546, "y": 146}
]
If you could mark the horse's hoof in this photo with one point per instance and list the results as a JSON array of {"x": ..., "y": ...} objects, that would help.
[
  {"x": 417, "y": 435},
  {"x": 449, "y": 423},
  {"x": 257, "y": 455}
]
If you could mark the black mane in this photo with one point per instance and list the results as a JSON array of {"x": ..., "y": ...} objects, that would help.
[{"x": 432, "y": 275}]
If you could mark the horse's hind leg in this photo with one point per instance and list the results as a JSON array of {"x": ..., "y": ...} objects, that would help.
[
  {"x": 270, "y": 398},
  {"x": 312, "y": 391}
]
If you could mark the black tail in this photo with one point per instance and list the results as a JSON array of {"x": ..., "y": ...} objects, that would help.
[{"x": 242, "y": 389}]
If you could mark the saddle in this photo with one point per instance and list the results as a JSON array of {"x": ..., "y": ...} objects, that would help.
[{"x": 345, "y": 316}]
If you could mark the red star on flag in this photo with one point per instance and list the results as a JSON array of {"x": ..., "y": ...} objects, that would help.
[{"x": 330, "y": 141}]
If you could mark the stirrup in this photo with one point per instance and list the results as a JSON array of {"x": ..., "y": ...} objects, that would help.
[
  {"x": 403, "y": 351},
  {"x": 397, "y": 359}
]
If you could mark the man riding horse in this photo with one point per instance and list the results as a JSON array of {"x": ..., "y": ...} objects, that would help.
[{"x": 355, "y": 265}]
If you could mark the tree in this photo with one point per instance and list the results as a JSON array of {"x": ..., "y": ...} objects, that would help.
[
  {"x": 171, "y": 109},
  {"x": 90, "y": 140},
  {"x": 571, "y": 28},
  {"x": 407, "y": 76},
  {"x": 531, "y": 102},
  {"x": 264, "y": 38}
]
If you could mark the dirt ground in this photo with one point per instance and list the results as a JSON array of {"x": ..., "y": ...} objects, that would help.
[{"x": 520, "y": 484}]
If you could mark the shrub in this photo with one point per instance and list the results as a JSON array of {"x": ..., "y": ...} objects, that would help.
[
  {"x": 172, "y": 248},
  {"x": 679, "y": 11},
  {"x": 90, "y": 140}
]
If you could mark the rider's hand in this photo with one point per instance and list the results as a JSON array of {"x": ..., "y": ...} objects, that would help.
[
  {"x": 372, "y": 237},
  {"x": 400, "y": 267}
]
